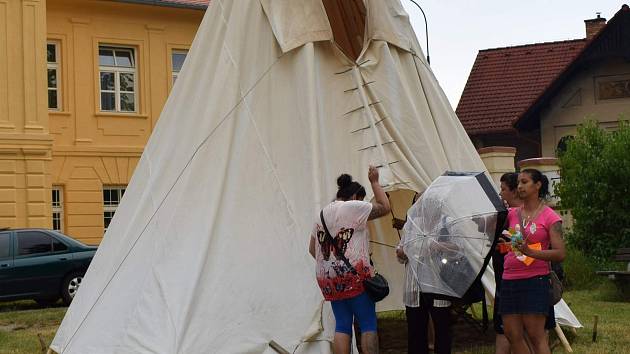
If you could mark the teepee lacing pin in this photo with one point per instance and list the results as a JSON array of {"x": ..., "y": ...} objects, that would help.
[
  {"x": 369, "y": 126},
  {"x": 375, "y": 146},
  {"x": 343, "y": 72},
  {"x": 387, "y": 175},
  {"x": 389, "y": 163},
  {"x": 356, "y": 88},
  {"x": 360, "y": 108}
]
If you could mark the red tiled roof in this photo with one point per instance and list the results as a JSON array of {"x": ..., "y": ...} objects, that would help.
[{"x": 505, "y": 82}]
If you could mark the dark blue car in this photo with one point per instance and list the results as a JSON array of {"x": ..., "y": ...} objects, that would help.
[{"x": 43, "y": 265}]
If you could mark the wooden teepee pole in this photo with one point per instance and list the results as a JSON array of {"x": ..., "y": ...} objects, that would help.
[
  {"x": 563, "y": 339},
  {"x": 275, "y": 346}
]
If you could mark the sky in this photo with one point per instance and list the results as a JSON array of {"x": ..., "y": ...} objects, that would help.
[{"x": 458, "y": 29}]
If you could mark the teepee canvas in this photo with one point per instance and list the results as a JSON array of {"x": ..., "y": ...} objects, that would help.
[{"x": 208, "y": 251}]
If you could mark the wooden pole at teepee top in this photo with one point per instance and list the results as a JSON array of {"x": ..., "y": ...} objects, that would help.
[{"x": 275, "y": 346}]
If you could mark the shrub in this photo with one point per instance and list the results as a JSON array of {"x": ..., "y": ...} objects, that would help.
[
  {"x": 595, "y": 170},
  {"x": 579, "y": 270}
]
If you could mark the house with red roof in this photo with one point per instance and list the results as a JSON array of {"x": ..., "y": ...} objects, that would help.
[{"x": 533, "y": 97}]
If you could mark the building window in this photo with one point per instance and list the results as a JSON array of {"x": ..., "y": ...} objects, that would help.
[
  {"x": 52, "y": 59},
  {"x": 112, "y": 195},
  {"x": 563, "y": 144},
  {"x": 117, "y": 77},
  {"x": 57, "y": 209},
  {"x": 177, "y": 60}
]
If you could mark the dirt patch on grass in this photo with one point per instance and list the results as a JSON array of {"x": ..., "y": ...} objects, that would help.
[
  {"x": 467, "y": 333},
  {"x": 12, "y": 327}
]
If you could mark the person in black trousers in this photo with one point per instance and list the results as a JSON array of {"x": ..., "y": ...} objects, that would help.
[
  {"x": 419, "y": 306},
  {"x": 418, "y": 322}
]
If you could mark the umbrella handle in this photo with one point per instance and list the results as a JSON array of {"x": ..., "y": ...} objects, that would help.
[{"x": 391, "y": 211}]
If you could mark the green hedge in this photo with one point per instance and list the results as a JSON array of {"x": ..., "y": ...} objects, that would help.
[{"x": 595, "y": 171}]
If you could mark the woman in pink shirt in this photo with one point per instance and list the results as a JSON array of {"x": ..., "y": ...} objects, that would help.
[{"x": 525, "y": 285}]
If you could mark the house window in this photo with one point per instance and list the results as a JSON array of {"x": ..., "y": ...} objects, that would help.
[
  {"x": 613, "y": 89},
  {"x": 112, "y": 195},
  {"x": 117, "y": 78},
  {"x": 57, "y": 209},
  {"x": 52, "y": 63},
  {"x": 177, "y": 60}
]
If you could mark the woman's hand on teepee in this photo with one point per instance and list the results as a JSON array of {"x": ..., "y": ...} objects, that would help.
[{"x": 373, "y": 174}]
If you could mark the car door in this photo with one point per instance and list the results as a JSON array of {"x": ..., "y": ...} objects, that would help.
[
  {"x": 40, "y": 263},
  {"x": 7, "y": 284}
]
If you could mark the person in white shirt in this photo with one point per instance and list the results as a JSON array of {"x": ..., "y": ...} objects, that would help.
[{"x": 343, "y": 259}]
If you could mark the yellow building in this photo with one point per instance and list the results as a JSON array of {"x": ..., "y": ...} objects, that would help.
[{"x": 82, "y": 84}]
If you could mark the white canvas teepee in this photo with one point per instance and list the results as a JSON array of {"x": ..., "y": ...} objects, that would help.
[{"x": 208, "y": 251}]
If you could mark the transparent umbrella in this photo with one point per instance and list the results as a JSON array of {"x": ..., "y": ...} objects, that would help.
[{"x": 451, "y": 231}]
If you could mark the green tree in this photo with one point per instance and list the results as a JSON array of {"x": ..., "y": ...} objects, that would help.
[{"x": 595, "y": 186}]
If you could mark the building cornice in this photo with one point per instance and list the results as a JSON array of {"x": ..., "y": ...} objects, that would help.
[{"x": 167, "y": 4}]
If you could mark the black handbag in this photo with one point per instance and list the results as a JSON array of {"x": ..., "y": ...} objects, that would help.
[
  {"x": 555, "y": 288},
  {"x": 376, "y": 287}
]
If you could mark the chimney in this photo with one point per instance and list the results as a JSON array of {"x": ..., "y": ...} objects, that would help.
[{"x": 593, "y": 26}]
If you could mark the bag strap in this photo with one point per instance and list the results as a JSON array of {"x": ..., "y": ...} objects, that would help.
[{"x": 334, "y": 245}]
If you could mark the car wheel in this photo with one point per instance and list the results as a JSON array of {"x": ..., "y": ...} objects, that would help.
[{"x": 71, "y": 284}]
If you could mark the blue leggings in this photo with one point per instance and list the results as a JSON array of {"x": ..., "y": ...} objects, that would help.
[{"x": 361, "y": 307}]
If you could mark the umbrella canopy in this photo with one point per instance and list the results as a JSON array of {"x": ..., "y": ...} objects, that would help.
[{"x": 451, "y": 231}]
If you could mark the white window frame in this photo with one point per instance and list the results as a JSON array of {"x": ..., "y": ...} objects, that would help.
[
  {"x": 175, "y": 73},
  {"x": 109, "y": 206},
  {"x": 117, "y": 70},
  {"x": 54, "y": 66},
  {"x": 57, "y": 207}
]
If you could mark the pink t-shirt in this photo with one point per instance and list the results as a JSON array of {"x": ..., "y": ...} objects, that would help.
[
  {"x": 347, "y": 223},
  {"x": 537, "y": 230}
]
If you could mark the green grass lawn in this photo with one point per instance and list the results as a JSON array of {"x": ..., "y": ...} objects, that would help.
[
  {"x": 613, "y": 329},
  {"x": 22, "y": 321}
]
